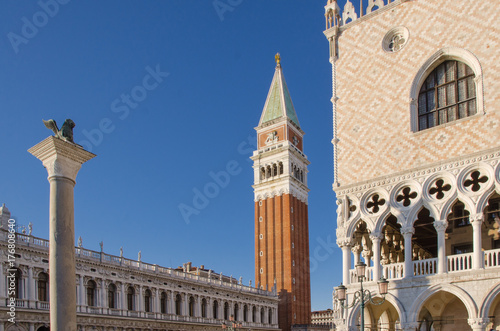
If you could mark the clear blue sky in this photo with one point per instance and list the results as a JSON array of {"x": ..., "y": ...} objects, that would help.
[{"x": 193, "y": 117}]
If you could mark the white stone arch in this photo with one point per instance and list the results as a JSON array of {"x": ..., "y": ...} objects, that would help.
[
  {"x": 488, "y": 300},
  {"x": 413, "y": 214},
  {"x": 390, "y": 298},
  {"x": 467, "y": 201},
  {"x": 482, "y": 203},
  {"x": 351, "y": 227},
  {"x": 381, "y": 221},
  {"x": 419, "y": 301},
  {"x": 444, "y": 54}
]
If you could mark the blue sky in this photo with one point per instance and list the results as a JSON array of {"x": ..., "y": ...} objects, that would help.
[{"x": 200, "y": 78}]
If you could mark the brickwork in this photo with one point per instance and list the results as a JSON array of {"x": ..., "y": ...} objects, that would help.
[{"x": 373, "y": 87}]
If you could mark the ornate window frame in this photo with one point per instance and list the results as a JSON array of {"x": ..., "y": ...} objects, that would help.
[{"x": 444, "y": 54}]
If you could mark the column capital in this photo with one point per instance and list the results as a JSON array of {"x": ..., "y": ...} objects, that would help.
[
  {"x": 408, "y": 230},
  {"x": 476, "y": 218},
  {"x": 441, "y": 225},
  {"x": 60, "y": 158},
  {"x": 376, "y": 236},
  {"x": 478, "y": 323},
  {"x": 345, "y": 242}
]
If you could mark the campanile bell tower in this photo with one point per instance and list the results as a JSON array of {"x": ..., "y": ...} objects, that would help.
[{"x": 281, "y": 216}]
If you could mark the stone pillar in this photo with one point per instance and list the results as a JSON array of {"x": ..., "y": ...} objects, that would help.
[
  {"x": 442, "y": 260},
  {"x": 171, "y": 303},
  {"x": 31, "y": 288},
  {"x": 62, "y": 160},
  {"x": 31, "y": 327},
  {"x": 478, "y": 255},
  {"x": 346, "y": 262},
  {"x": 124, "y": 298},
  {"x": 157, "y": 306},
  {"x": 408, "y": 268},
  {"x": 81, "y": 300},
  {"x": 356, "y": 250},
  {"x": 140, "y": 298},
  {"x": 104, "y": 297},
  {"x": 376, "y": 238},
  {"x": 3, "y": 291}
]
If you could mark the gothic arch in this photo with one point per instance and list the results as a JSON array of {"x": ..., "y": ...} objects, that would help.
[
  {"x": 351, "y": 228},
  {"x": 447, "y": 53},
  {"x": 468, "y": 205},
  {"x": 419, "y": 301},
  {"x": 482, "y": 202},
  {"x": 486, "y": 305}
]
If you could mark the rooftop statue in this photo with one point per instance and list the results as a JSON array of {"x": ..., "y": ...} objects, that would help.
[{"x": 66, "y": 132}]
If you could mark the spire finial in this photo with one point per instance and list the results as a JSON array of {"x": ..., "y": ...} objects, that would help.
[{"x": 277, "y": 57}]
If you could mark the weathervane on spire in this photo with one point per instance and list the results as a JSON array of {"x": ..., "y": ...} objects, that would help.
[{"x": 277, "y": 57}]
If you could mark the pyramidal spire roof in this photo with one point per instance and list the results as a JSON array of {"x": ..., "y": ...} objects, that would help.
[{"x": 278, "y": 103}]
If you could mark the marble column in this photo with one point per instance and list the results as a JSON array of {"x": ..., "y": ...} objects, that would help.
[
  {"x": 408, "y": 267},
  {"x": 346, "y": 262},
  {"x": 376, "y": 238},
  {"x": 62, "y": 160},
  {"x": 442, "y": 259},
  {"x": 478, "y": 255}
]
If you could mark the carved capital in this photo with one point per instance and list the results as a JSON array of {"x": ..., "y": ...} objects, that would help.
[
  {"x": 478, "y": 322},
  {"x": 441, "y": 226},
  {"x": 345, "y": 242},
  {"x": 476, "y": 218},
  {"x": 376, "y": 236},
  {"x": 408, "y": 230},
  {"x": 60, "y": 158}
]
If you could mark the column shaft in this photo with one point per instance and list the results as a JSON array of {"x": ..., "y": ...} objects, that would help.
[{"x": 62, "y": 255}]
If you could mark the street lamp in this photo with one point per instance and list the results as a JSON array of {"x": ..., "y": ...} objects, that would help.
[{"x": 363, "y": 295}]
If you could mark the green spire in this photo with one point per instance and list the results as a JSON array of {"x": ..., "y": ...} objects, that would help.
[{"x": 278, "y": 103}]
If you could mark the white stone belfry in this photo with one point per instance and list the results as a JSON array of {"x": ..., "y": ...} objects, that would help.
[{"x": 62, "y": 160}]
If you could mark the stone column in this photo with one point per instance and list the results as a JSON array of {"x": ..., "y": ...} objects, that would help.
[
  {"x": 478, "y": 257},
  {"x": 346, "y": 261},
  {"x": 376, "y": 238},
  {"x": 31, "y": 288},
  {"x": 104, "y": 296},
  {"x": 3, "y": 291},
  {"x": 157, "y": 305},
  {"x": 81, "y": 300},
  {"x": 62, "y": 160},
  {"x": 140, "y": 303},
  {"x": 442, "y": 260},
  {"x": 124, "y": 298},
  {"x": 408, "y": 268}
]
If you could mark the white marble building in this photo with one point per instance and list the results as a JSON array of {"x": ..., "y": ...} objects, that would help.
[
  {"x": 117, "y": 293},
  {"x": 416, "y": 118}
]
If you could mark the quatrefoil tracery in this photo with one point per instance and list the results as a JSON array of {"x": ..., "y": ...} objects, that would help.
[
  {"x": 375, "y": 203},
  {"x": 439, "y": 189},
  {"x": 476, "y": 180},
  {"x": 406, "y": 196}
]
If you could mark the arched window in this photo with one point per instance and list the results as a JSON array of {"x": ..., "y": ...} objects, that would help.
[
  {"x": 147, "y": 301},
  {"x": 236, "y": 311},
  {"x": 112, "y": 296},
  {"x": 191, "y": 306},
  {"x": 254, "y": 314},
  {"x": 245, "y": 313},
  {"x": 270, "y": 316},
  {"x": 226, "y": 311},
  {"x": 43, "y": 280},
  {"x": 178, "y": 303},
  {"x": 448, "y": 94},
  {"x": 281, "y": 168},
  {"x": 204, "y": 307},
  {"x": 91, "y": 288},
  {"x": 262, "y": 315},
  {"x": 163, "y": 303},
  {"x": 18, "y": 281},
  {"x": 215, "y": 307},
  {"x": 131, "y": 298}
]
